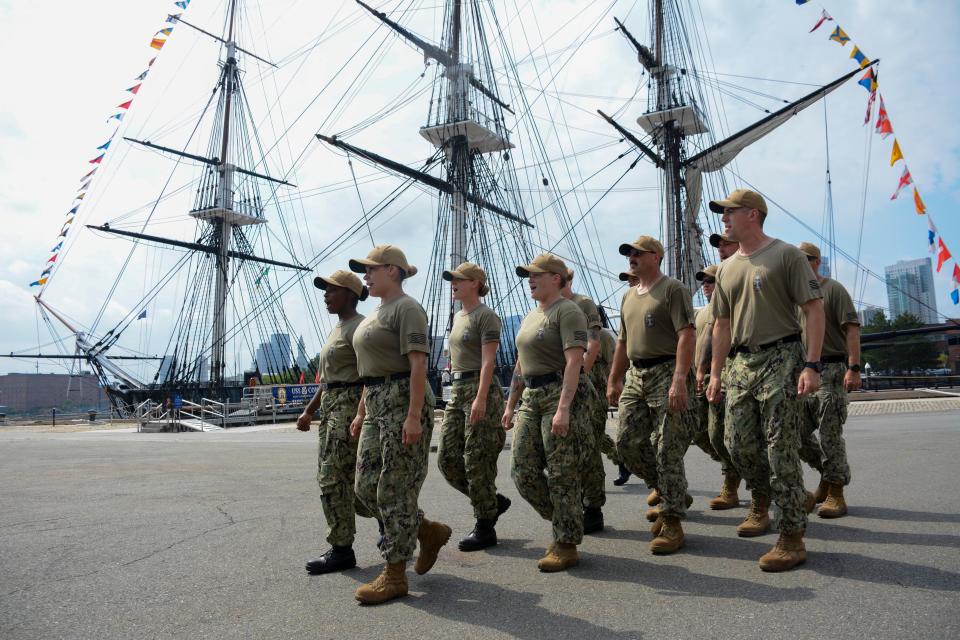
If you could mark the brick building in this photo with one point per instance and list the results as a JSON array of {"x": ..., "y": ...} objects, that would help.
[{"x": 36, "y": 393}]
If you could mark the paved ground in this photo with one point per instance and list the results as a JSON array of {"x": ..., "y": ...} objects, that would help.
[{"x": 125, "y": 535}]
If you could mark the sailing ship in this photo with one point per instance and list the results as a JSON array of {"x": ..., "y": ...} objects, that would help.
[{"x": 234, "y": 297}]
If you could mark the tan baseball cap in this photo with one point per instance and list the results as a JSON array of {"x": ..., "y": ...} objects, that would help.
[
  {"x": 717, "y": 238},
  {"x": 345, "y": 279},
  {"x": 469, "y": 271},
  {"x": 643, "y": 243},
  {"x": 381, "y": 255},
  {"x": 544, "y": 263},
  {"x": 810, "y": 249},
  {"x": 710, "y": 271},
  {"x": 570, "y": 274},
  {"x": 740, "y": 198}
]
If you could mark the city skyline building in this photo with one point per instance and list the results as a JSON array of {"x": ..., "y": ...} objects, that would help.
[{"x": 910, "y": 289}]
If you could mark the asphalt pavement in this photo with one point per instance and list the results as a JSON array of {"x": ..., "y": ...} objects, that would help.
[{"x": 204, "y": 535}]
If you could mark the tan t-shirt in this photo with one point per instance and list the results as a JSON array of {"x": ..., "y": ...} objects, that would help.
[
  {"x": 650, "y": 321},
  {"x": 589, "y": 309},
  {"x": 759, "y": 293},
  {"x": 839, "y": 311},
  {"x": 545, "y": 335},
  {"x": 383, "y": 339},
  {"x": 608, "y": 344},
  {"x": 469, "y": 333},
  {"x": 704, "y": 325},
  {"x": 338, "y": 360}
]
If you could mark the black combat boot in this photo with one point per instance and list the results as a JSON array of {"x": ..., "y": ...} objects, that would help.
[
  {"x": 336, "y": 559},
  {"x": 592, "y": 519},
  {"x": 623, "y": 477},
  {"x": 482, "y": 536}
]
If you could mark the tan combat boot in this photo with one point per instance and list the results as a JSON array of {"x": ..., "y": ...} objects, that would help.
[
  {"x": 728, "y": 498},
  {"x": 835, "y": 505},
  {"x": 657, "y": 526},
  {"x": 821, "y": 492},
  {"x": 786, "y": 554},
  {"x": 758, "y": 520},
  {"x": 669, "y": 538},
  {"x": 390, "y": 584},
  {"x": 652, "y": 514},
  {"x": 432, "y": 536},
  {"x": 560, "y": 556},
  {"x": 654, "y": 498},
  {"x": 809, "y": 502}
]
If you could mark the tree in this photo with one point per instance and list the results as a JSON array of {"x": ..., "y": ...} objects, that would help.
[{"x": 901, "y": 355}]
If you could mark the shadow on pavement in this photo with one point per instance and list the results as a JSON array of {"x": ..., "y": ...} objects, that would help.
[
  {"x": 885, "y": 513},
  {"x": 517, "y": 613},
  {"x": 835, "y": 532},
  {"x": 852, "y": 566},
  {"x": 673, "y": 580}
]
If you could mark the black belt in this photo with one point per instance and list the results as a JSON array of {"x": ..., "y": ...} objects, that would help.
[
  {"x": 458, "y": 376},
  {"x": 535, "y": 382},
  {"x": 646, "y": 363},
  {"x": 763, "y": 347},
  {"x": 377, "y": 380},
  {"x": 833, "y": 359},
  {"x": 342, "y": 385}
]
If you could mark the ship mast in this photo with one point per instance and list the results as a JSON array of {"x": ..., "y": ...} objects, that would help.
[
  {"x": 222, "y": 223},
  {"x": 673, "y": 120}
]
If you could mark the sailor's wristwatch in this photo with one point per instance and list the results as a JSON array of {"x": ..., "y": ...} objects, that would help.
[{"x": 816, "y": 366}]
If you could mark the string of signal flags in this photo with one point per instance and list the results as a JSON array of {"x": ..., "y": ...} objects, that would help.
[
  {"x": 157, "y": 41},
  {"x": 884, "y": 128}
]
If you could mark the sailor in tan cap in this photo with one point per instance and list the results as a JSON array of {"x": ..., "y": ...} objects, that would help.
[
  {"x": 755, "y": 319},
  {"x": 724, "y": 245},
  {"x": 552, "y": 431},
  {"x": 711, "y": 415},
  {"x": 394, "y": 422},
  {"x": 471, "y": 438},
  {"x": 826, "y": 410},
  {"x": 337, "y": 399},
  {"x": 657, "y": 338},
  {"x": 596, "y": 366}
]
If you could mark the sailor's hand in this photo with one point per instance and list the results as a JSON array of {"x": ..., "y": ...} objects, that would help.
[
  {"x": 677, "y": 396},
  {"x": 700, "y": 378},
  {"x": 561, "y": 422},
  {"x": 412, "y": 430},
  {"x": 478, "y": 409},
  {"x": 507, "y": 420},
  {"x": 303, "y": 422},
  {"x": 852, "y": 381},
  {"x": 809, "y": 382},
  {"x": 355, "y": 425},
  {"x": 714, "y": 392},
  {"x": 614, "y": 390}
]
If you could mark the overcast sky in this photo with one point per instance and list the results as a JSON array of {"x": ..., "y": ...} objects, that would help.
[{"x": 66, "y": 66}]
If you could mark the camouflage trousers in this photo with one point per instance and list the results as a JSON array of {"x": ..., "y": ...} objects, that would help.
[
  {"x": 594, "y": 475},
  {"x": 652, "y": 439},
  {"x": 762, "y": 424},
  {"x": 711, "y": 417},
  {"x": 467, "y": 455},
  {"x": 337, "y": 463},
  {"x": 390, "y": 473},
  {"x": 546, "y": 468},
  {"x": 826, "y": 410}
]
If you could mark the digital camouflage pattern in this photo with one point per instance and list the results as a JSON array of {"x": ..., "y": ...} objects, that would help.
[
  {"x": 337, "y": 463},
  {"x": 594, "y": 475},
  {"x": 547, "y": 468},
  {"x": 826, "y": 410},
  {"x": 467, "y": 455},
  {"x": 390, "y": 473},
  {"x": 762, "y": 422},
  {"x": 652, "y": 439},
  {"x": 715, "y": 429}
]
